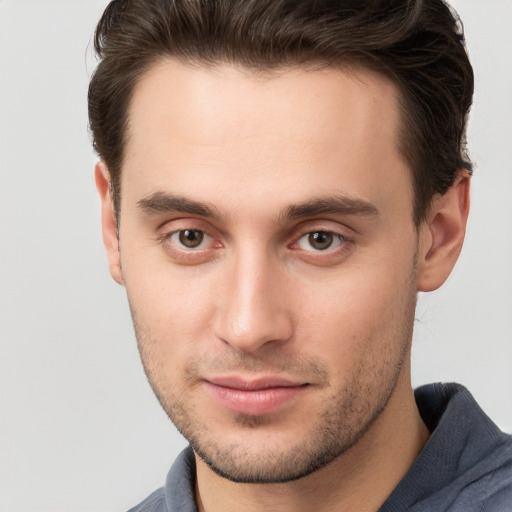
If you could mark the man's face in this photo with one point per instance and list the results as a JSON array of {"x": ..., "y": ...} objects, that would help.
[{"x": 268, "y": 252}]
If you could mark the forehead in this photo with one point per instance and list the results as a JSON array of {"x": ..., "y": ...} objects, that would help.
[
  {"x": 222, "y": 97},
  {"x": 263, "y": 131}
]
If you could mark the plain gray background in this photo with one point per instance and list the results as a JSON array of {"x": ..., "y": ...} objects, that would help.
[{"x": 79, "y": 427}]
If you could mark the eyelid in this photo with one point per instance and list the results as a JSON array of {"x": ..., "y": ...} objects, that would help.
[
  {"x": 204, "y": 242},
  {"x": 338, "y": 240},
  {"x": 329, "y": 256},
  {"x": 326, "y": 226},
  {"x": 181, "y": 254},
  {"x": 169, "y": 234},
  {"x": 172, "y": 226}
]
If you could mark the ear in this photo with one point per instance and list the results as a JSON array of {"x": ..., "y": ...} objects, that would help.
[
  {"x": 442, "y": 234},
  {"x": 108, "y": 221}
]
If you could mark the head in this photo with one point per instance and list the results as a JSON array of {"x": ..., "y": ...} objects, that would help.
[{"x": 278, "y": 181}]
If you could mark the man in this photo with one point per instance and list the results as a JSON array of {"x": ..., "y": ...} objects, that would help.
[{"x": 278, "y": 181}]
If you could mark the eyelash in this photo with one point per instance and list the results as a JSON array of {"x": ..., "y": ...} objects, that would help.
[
  {"x": 193, "y": 255},
  {"x": 336, "y": 237},
  {"x": 329, "y": 256},
  {"x": 181, "y": 254}
]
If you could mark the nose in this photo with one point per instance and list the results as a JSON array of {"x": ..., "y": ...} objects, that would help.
[{"x": 252, "y": 307}]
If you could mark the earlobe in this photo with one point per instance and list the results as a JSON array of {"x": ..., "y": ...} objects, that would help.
[
  {"x": 442, "y": 234},
  {"x": 108, "y": 221}
]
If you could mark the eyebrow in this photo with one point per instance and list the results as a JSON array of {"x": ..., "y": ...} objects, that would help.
[
  {"x": 331, "y": 205},
  {"x": 161, "y": 202}
]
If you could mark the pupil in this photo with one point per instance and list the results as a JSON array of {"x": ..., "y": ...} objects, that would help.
[
  {"x": 321, "y": 240},
  {"x": 191, "y": 238}
]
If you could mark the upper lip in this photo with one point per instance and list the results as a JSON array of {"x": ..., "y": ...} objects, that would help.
[{"x": 253, "y": 384}]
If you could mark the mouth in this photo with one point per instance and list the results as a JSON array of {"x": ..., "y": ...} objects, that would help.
[{"x": 254, "y": 397}]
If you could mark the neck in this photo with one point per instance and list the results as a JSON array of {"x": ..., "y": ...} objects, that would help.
[{"x": 359, "y": 479}]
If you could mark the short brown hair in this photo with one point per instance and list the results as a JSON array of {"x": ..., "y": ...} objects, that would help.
[{"x": 418, "y": 44}]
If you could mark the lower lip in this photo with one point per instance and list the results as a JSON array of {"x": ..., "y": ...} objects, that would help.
[{"x": 255, "y": 402}]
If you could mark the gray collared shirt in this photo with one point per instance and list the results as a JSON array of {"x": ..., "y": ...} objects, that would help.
[{"x": 466, "y": 465}]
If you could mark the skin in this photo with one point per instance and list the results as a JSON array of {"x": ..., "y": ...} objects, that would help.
[{"x": 256, "y": 164}]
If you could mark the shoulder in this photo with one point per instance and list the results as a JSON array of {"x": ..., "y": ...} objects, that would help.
[
  {"x": 472, "y": 452},
  {"x": 495, "y": 487},
  {"x": 466, "y": 466},
  {"x": 487, "y": 486},
  {"x": 155, "y": 502},
  {"x": 179, "y": 491}
]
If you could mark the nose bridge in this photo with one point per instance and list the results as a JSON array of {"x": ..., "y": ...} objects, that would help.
[{"x": 253, "y": 312}]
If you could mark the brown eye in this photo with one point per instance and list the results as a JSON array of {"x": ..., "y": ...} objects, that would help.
[
  {"x": 320, "y": 241},
  {"x": 191, "y": 238}
]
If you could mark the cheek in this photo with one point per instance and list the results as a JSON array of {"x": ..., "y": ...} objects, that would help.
[
  {"x": 366, "y": 314},
  {"x": 172, "y": 309}
]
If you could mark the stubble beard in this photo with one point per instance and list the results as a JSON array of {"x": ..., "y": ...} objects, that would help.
[
  {"x": 338, "y": 428},
  {"x": 348, "y": 413}
]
